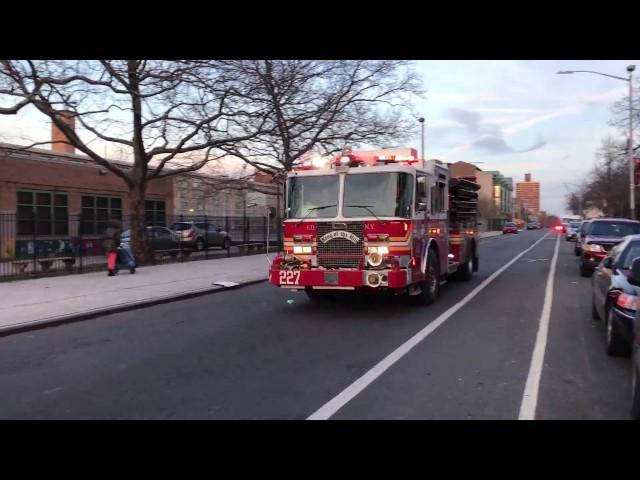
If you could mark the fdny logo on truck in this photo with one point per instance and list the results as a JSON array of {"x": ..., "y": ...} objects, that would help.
[{"x": 339, "y": 234}]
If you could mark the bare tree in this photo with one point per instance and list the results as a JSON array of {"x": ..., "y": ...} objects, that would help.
[
  {"x": 172, "y": 116},
  {"x": 323, "y": 105},
  {"x": 606, "y": 187},
  {"x": 620, "y": 120}
]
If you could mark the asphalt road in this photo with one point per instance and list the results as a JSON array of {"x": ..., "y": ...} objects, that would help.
[{"x": 263, "y": 353}]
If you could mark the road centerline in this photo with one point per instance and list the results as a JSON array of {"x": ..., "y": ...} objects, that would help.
[
  {"x": 336, "y": 403},
  {"x": 532, "y": 387}
]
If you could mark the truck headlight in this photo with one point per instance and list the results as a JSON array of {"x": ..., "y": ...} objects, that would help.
[
  {"x": 380, "y": 250},
  {"x": 300, "y": 249},
  {"x": 375, "y": 259}
]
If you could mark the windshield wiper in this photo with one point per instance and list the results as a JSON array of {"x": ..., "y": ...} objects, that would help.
[
  {"x": 313, "y": 209},
  {"x": 368, "y": 208}
]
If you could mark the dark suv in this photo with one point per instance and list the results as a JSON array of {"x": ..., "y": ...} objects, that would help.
[{"x": 602, "y": 236}]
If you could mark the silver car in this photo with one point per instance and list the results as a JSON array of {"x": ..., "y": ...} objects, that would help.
[
  {"x": 572, "y": 231},
  {"x": 201, "y": 235}
]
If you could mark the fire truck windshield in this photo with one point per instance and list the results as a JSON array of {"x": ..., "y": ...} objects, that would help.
[
  {"x": 388, "y": 194},
  {"x": 306, "y": 194}
]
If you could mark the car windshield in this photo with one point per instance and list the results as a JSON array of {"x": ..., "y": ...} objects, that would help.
[
  {"x": 181, "y": 226},
  {"x": 584, "y": 227},
  {"x": 306, "y": 194},
  {"x": 615, "y": 229},
  {"x": 574, "y": 224},
  {"x": 631, "y": 253},
  {"x": 509, "y": 224},
  {"x": 386, "y": 194}
]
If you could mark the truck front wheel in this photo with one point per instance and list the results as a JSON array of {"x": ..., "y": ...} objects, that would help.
[{"x": 430, "y": 286}]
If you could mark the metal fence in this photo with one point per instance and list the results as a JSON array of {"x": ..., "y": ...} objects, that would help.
[{"x": 36, "y": 246}]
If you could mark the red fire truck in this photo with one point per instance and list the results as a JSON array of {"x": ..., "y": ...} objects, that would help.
[{"x": 376, "y": 221}]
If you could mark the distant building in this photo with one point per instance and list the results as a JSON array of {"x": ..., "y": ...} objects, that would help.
[{"x": 529, "y": 192}]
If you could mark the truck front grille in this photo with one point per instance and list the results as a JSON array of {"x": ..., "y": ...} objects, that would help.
[{"x": 340, "y": 252}]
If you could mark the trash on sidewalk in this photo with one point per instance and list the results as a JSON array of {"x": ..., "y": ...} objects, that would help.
[{"x": 224, "y": 283}]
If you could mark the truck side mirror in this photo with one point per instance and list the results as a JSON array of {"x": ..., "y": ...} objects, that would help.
[{"x": 634, "y": 273}]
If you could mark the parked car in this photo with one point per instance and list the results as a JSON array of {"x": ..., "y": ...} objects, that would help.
[
  {"x": 572, "y": 231},
  {"x": 162, "y": 240},
  {"x": 509, "y": 227},
  {"x": 201, "y": 235},
  {"x": 634, "y": 278},
  {"x": 582, "y": 231},
  {"x": 603, "y": 235},
  {"x": 614, "y": 299}
]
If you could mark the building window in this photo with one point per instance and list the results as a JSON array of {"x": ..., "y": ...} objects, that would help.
[
  {"x": 97, "y": 211},
  {"x": 155, "y": 212},
  {"x": 42, "y": 213}
]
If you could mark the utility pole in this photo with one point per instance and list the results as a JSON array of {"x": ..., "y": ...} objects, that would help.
[{"x": 421, "y": 120}]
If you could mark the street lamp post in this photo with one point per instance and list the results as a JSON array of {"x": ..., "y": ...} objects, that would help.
[
  {"x": 632, "y": 183},
  {"x": 421, "y": 120}
]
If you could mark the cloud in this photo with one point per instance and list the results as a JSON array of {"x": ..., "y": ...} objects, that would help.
[
  {"x": 491, "y": 134},
  {"x": 468, "y": 118},
  {"x": 496, "y": 144}
]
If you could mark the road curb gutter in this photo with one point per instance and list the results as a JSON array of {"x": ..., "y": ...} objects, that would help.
[{"x": 124, "y": 307}]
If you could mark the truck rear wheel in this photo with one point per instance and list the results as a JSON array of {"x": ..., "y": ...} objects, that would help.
[
  {"x": 431, "y": 284},
  {"x": 465, "y": 271}
]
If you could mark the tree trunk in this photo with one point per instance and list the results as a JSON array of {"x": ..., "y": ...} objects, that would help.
[{"x": 139, "y": 238}]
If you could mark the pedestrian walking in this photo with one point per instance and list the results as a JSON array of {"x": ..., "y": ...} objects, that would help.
[
  {"x": 125, "y": 257},
  {"x": 111, "y": 244}
]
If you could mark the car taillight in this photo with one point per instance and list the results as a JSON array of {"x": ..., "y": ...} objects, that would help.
[
  {"x": 626, "y": 301},
  {"x": 558, "y": 228}
]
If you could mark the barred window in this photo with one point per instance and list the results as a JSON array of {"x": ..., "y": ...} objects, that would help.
[
  {"x": 42, "y": 213},
  {"x": 155, "y": 213},
  {"x": 96, "y": 211}
]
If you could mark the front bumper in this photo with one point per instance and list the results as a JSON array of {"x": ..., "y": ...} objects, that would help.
[{"x": 339, "y": 279}]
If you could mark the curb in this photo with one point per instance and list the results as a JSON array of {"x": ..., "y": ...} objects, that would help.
[{"x": 125, "y": 307}]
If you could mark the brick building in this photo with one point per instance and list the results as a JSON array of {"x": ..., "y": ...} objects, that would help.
[
  {"x": 529, "y": 193},
  {"x": 43, "y": 193}
]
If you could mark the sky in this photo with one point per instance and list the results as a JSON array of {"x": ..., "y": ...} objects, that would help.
[
  {"x": 514, "y": 116},
  {"x": 521, "y": 117}
]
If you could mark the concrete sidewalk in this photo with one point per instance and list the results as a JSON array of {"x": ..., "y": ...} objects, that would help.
[
  {"x": 28, "y": 303},
  {"x": 32, "y": 303}
]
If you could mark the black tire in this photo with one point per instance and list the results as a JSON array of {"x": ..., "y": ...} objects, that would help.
[
  {"x": 226, "y": 244},
  {"x": 585, "y": 271},
  {"x": 616, "y": 346},
  {"x": 199, "y": 245},
  {"x": 635, "y": 391},
  {"x": 577, "y": 251},
  {"x": 465, "y": 271},
  {"x": 431, "y": 284}
]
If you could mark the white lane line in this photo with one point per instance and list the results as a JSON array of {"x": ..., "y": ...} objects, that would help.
[
  {"x": 530, "y": 396},
  {"x": 336, "y": 403}
]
